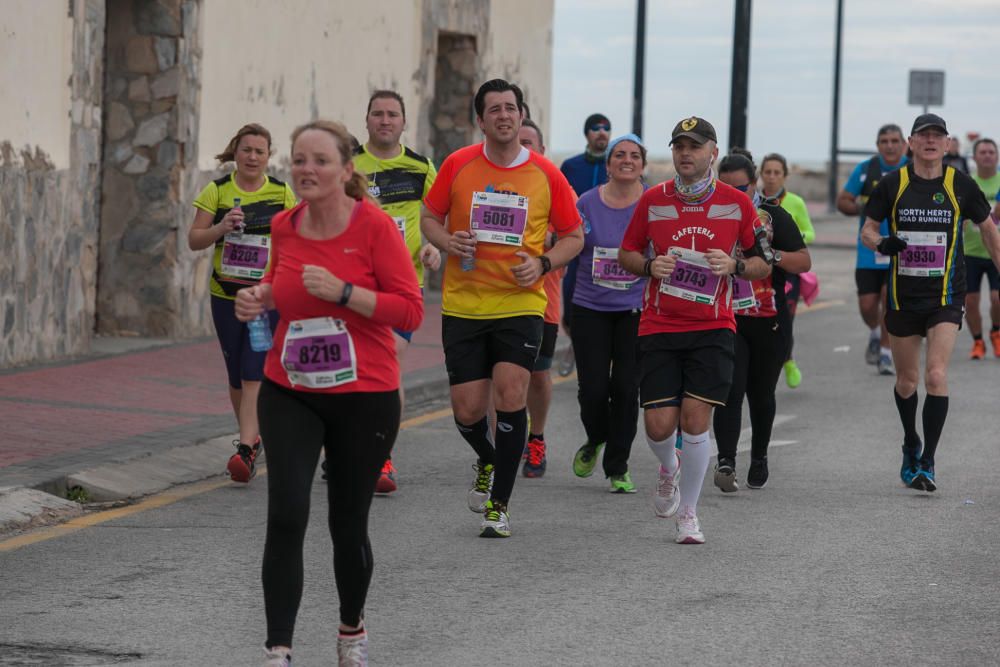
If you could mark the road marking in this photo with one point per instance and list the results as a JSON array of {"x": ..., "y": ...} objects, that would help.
[
  {"x": 744, "y": 441},
  {"x": 176, "y": 494},
  {"x": 820, "y": 305}
]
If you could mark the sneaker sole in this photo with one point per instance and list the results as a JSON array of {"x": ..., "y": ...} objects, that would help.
[
  {"x": 923, "y": 483},
  {"x": 238, "y": 471},
  {"x": 582, "y": 472},
  {"x": 621, "y": 490},
  {"x": 493, "y": 532},
  {"x": 726, "y": 481},
  {"x": 756, "y": 487},
  {"x": 690, "y": 539}
]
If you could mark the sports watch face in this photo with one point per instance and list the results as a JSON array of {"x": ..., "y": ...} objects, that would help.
[{"x": 766, "y": 220}]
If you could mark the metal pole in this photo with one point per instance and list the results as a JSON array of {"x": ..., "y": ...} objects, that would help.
[
  {"x": 740, "y": 80},
  {"x": 640, "y": 66},
  {"x": 835, "y": 112}
]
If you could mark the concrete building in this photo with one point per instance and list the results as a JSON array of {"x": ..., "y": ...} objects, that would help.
[{"x": 113, "y": 110}]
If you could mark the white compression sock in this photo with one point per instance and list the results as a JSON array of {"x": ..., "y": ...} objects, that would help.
[
  {"x": 666, "y": 451},
  {"x": 696, "y": 454}
]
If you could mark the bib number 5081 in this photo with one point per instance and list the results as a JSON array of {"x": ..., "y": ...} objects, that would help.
[{"x": 498, "y": 218}]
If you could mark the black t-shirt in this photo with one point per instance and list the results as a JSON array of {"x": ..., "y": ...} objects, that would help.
[{"x": 928, "y": 214}]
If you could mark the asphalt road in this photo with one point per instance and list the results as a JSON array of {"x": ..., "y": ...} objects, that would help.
[{"x": 834, "y": 563}]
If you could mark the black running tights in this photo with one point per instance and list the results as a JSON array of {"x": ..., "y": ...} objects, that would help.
[
  {"x": 357, "y": 431},
  {"x": 760, "y": 352}
]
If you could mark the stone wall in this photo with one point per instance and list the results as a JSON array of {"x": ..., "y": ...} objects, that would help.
[{"x": 49, "y": 215}]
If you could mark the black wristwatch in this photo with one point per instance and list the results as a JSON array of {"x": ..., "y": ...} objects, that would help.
[
  {"x": 776, "y": 257},
  {"x": 546, "y": 264},
  {"x": 740, "y": 267}
]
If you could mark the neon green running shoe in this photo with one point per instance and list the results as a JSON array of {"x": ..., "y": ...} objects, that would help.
[
  {"x": 622, "y": 483},
  {"x": 793, "y": 376},
  {"x": 496, "y": 520},
  {"x": 586, "y": 459}
]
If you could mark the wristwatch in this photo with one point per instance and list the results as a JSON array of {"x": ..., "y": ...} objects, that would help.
[
  {"x": 776, "y": 257},
  {"x": 740, "y": 267},
  {"x": 546, "y": 264}
]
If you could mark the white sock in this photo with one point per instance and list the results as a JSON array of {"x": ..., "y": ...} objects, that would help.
[
  {"x": 886, "y": 351},
  {"x": 876, "y": 333},
  {"x": 696, "y": 453},
  {"x": 666, "y": 451}
]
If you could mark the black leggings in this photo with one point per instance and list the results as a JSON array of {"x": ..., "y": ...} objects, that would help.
[
  {"x": 606, "y": 348},
  {"x": 356, "y": 431},
  {"x": 761, "y": 346}
]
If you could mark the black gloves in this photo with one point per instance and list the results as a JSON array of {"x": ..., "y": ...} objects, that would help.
[{"x": 891, "y": 245}]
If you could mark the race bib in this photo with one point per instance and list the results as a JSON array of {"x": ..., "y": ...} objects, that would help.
[
  {"x": 498, "y": 218},
  {"x": 245, "y": 255},
  {"x": 692, "y": 279},
  {"x": 400, "y": 224},
  {"x": 319, "y": 353},
  {"x": 924, "y": 255},
  {"x": 743, "y": 296},
  {"x": 607, "y": 272}
]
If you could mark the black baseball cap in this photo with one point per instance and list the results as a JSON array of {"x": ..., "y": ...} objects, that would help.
[
  {"x": 927, "y": 120},
  {"x": 594, "y": 119},
  {"x": 694, "y": 128}
]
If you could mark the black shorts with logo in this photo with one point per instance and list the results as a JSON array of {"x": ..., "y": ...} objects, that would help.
[
  {"x": 692, "y": 364},
  {"x": 473, "y": 347},
  {"x": 903, "y": 323},
  {"x": 871, "y": 281},
  {"x": 548, "y": 349}
]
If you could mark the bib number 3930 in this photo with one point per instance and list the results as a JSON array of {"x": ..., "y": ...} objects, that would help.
[
  {"x": 924, "y": 255},
  {"x": 691, "y": 279},
  {"x": 319, "y": 353}
]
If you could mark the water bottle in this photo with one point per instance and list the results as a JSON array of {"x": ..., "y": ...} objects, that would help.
[
  {"x": 236, "y": 207},
  {"x": 260, "y": 333},
  {"x": 468, "y": 263}
]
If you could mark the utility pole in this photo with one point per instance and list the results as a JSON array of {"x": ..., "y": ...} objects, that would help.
[
  {"x": 831, "y": 199},
  {"x": 740, "y": 80},
  {"x": 640, "y": 66}
]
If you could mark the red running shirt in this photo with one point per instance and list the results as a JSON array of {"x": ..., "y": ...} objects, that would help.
[
  {"x": 661, "y": 220},
  {"x": 370, "y": 253}
]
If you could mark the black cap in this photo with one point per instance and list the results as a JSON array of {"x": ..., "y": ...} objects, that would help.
[
  {"x": 695, "y": 128},
  {"x": 594, "y": 119},
  {"x": 928, "y": 120}
]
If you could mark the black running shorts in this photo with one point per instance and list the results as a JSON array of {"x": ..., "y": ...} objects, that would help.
[
  {"x": 473, "y": 347},
  {"x": 903, "y": 323},
  {"x": 871, "y": 281},
  {"x": 692, "y": 364}
]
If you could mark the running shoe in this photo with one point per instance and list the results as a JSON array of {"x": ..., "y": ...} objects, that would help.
[
  {"x": 793, "y": 376},
  {"x": 911, "y": 457},
  {"x": 725, "y": 475},
  {"x": 667, "y": 498},
  {"x": 496, "y": 520},
  {"x": 387, "y": 478},
  {"x": 277, "y": 657},
  {"x": 567, "y": 361},
  {"x": 352, "y": 650},
  {"x": 885, "y": 366},
  {"x": 586, "y": 459},
  {"x": 622, "y": 483},
  {"x": 872, "y": 352},
  {"x": 923, "y": 480},
  {"x": 241, "y": 465},
  {"x": 534, "y": 465},
  {"x": 757, "y": 473},
  {"x": 689, "y": 528},
  {"x": 995, "y": 340},
  {"x": 480, "y": 491},
  {"x": 978, "y": 348}
]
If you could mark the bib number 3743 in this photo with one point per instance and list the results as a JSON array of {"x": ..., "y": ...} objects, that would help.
[{"x": 691, "y": 279}]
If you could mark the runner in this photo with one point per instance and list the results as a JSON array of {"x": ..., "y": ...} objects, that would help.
[
  {"x": 692, "y": 225},
  {"x": 490, "y": 209},
  {"x": 773, "y": 172},
  {"x": 762, "y": 333},
  {"x": 584, "y": 172},
  {"x": 342, "y": 279},
  {"x": 607, "y": 303},
  {"x": 872, "y": 269},
  {"x": 540, "y": 385},
  {"x": 954, "y": 158},
  {"x": 398, "y": 178},
  {"x": 234, "y": 215},
  {"x": 925, "y": 203},
  {"x": 977, "y": 258}
]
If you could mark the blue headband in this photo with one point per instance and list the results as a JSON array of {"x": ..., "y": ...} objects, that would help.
[{"x": 625, "y": 137}]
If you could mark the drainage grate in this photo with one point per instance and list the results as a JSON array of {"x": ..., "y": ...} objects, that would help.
[{"x": 60, "y": 656}]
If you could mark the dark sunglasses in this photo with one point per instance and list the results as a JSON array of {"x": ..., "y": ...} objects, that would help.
[
  {"x": 742, "y": 188},
  {"x": 600, "y": 126}
]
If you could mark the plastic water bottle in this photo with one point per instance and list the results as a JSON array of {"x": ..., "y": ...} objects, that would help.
[
  {"x": 236, "y": 207},
  {"x": 468, "y": 263},
  {"x": 260, "y": 333}
]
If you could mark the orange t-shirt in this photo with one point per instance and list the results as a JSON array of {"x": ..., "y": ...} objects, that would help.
[{"x": 544, "y": 198}]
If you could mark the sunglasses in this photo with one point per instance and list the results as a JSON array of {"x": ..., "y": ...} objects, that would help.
[
  {"x": 600, "y": 126},
  {"x": 742, "y": 188}
]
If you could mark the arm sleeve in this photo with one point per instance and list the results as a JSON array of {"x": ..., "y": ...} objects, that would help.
[
  {"x": 636, "y": 235},
  {"x": 438, "y": 198},
  {"x": 208, "y": 199},
  {"x": 749, "y": 222},
  {"x": 879, "y": 207},
  {"x": 563, "y": 216},
  {"x": 853, "y": 184},
  {"x": 398, "y": 301},
  {"x": 803, "y": 221},
  {"x": 787, "y": 237}
]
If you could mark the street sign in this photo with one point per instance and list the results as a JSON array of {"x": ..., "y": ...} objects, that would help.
[{"x": 926, "y": 88}]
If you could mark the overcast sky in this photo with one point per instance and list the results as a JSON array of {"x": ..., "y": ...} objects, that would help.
[{"x": 689, "y": 58}]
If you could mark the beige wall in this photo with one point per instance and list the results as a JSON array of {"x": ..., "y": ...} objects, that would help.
[{"x": 36, "y": 54}]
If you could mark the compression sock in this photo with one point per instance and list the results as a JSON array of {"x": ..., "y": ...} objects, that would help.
[
  {"x": 908, "y": 415},
  {"x": 696, "y": 454},
  {"x": 512, "y": 427},
  {"x": 666, "y": 452},
  {"x": 536, "y": 436},
  {"x": 935, "y": 412},
  {"x": 977, "y": 336},
  {"x": 478, "y": 435}
]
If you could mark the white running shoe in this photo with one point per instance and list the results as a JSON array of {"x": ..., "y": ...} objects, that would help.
[
  {"x": 667, "y": 497},
  {"x": 496, "y": 520},
  {"x": 352, "y": 651},
  {"x": 279, "y": 656},
  {"x": 689, "y": 528},
  {"x": 480, "y": 491}
]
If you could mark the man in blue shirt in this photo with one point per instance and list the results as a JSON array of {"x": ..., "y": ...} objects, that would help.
[{"x": 872, "y": 269}]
